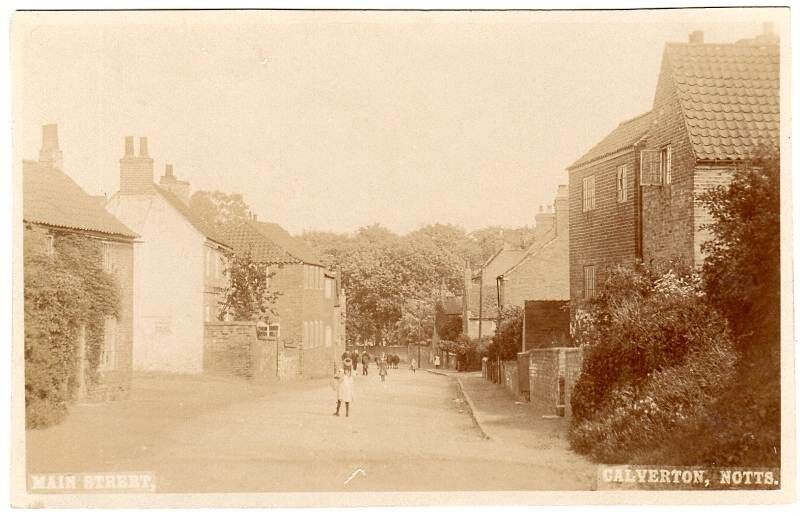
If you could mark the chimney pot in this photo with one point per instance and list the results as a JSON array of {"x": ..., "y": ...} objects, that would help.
[
  {"x": 696, "y": 37},
  {"x": 129, "y": 146},
  {"x": 143, "y": 147},
  {"x": 49, "y": 154}
]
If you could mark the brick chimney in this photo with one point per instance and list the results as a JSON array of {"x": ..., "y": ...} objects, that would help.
[
  {"x": 696, "y": 37},
  {"x": 50, "y": 155},
  {"x": 135, "y": 171},
  {"x": 173, "y": 184},
  {"x": 561, "y": 204}
]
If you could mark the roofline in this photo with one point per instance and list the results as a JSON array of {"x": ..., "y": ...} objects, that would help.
[
  {"x": 577, "y": 163},
  {"x": 163, "y": 192},
  {"x": 575, "y": 167},
  {"x": 92, "y": 232}
]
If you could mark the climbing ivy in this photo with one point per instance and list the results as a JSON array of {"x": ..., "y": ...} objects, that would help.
[{"x": 64, "y": 291}]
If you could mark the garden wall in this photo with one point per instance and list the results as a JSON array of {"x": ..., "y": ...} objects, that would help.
[{"x": 553, "y": 373}]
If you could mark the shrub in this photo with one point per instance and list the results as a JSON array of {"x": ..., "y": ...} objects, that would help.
[{"x": 656, "y": 359}]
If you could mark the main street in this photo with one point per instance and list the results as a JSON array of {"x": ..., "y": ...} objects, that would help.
[{"x": 210, "y": 435}]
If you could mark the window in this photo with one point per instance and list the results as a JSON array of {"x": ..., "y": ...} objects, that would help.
[
  {"x": 108, "y": 357},
  {"x": 108, "y": 257},
  {"x": 665, "y": 161},
  {"x": 588, "y": 193},
  {"x": 622, "y": 183},
  {"x": 274, "y": 331},
  {"x": 49, "y": 245},
  {"x": 588, "y": 282}
]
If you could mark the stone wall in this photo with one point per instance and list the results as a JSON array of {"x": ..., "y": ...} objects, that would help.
[{"x": 572, "y": 370}]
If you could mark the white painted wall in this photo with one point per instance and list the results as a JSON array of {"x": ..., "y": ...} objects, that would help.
[{"x": 167, "y": 285}]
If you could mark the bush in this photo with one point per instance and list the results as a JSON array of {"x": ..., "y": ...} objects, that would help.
[
  {"x": 507, "y": 340},
  {"x": 656, "y": 360}
]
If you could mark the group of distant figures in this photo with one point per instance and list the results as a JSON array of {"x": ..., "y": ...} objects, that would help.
[{"x": 343, "y": 378}]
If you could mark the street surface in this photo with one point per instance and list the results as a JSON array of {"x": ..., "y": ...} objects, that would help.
[{"x": 217, "y": 435}]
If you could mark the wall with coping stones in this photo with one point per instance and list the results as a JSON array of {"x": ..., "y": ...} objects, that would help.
[
  {"x": 547, "y": 366},
  {"x": 511, "y": 377}
]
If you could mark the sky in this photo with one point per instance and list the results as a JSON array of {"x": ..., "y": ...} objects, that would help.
[{"x": 337, "y": 120}]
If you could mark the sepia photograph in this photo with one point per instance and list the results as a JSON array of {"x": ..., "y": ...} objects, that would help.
[{"x": 298, "y": 257}]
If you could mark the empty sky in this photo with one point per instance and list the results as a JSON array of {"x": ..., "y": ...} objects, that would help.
[{"x": 335, "y": 120}]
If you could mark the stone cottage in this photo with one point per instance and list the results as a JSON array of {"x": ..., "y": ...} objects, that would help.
[
  {"x": 310, "y": 307},
  {"x": 53, "y": 206},
  {"x": 179, "y": 266}
]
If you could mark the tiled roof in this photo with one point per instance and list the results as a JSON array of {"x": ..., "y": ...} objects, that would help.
[
  {"x": 729, "y": 96},
  {"x": 51, "y": 197},
  {"x": 624, "y": 136},
  {"x": 269, "y": 243},
  {"x": 193, "y": 219}
]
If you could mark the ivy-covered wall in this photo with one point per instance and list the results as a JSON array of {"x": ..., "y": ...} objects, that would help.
[{"x": 67, "y": 294}]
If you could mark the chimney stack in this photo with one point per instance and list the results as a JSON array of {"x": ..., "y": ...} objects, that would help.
[
  {"x": 696, "y": 37},
  {"x": 561, "y": 203},
  {"x": 171, "y": 183},
  {"x": 129, "y": 146},
  {"x": 136, "y": 172},
  {"x": 50, "y": 155}
]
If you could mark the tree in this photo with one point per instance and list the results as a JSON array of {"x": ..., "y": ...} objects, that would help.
[
  {"x": 218, "y": 209},
  {"x": 248, "y": 297},
  {"x": 742, "y": 279}
]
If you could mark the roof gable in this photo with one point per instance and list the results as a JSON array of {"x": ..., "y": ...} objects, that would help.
[
  {"x": 623, "y": 137},
  {"x": 729, "y": 95},
  {"x": 52, "y": 198}
]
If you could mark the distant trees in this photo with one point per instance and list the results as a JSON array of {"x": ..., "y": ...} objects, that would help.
[
  {"x": 381, "y": 271},
  {"x": 217, "y": 209}
]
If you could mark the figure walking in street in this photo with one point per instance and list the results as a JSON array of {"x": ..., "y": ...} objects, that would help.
[
  {"x": 437, "y": 362},
  {"x": 344, "y": 388},
  {"x": 365, "y": 364},
  {"x": 382, "y": 371},
  {"x": 413, "y": 365}
]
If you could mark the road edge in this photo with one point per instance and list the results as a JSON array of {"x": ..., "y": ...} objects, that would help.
[{"x": 471, "y": 407}]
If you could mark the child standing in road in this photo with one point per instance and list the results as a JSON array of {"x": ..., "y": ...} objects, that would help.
[
  {"x": 413, "y": 365},
  {"x": 344, "y": 389},
  {"x": 382, "y": 371}
]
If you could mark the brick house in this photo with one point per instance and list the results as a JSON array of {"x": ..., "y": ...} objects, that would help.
[
  {"x": 311, "y": 307},
  {"x": 54, "y": 205},
  {"x": 179, "y": 266},
  {"x": 715, "y": 104},
  {"x": 543, "y": 271},
  {"x": 635, "y": 195},
  {"x": 605, "y": 207}
]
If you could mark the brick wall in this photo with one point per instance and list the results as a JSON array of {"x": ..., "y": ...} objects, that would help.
[
  {"x": 607, "y": 235},
  {"x": 544, "y": 379},
  {"x": 553, "y": 373},
  {"x": 228, "y": 348},
  {"x": 668, "y": 211},
  {"x": 511, "y": 377},
  {"x": 546, "y": 324}
]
